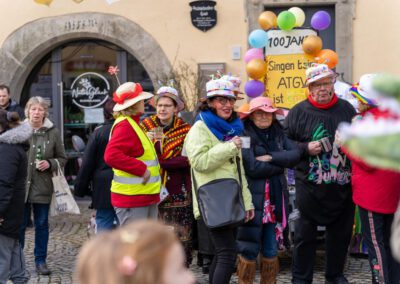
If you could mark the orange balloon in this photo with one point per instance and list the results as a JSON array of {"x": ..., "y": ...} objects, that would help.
[
  {"x": 312, "y": 44},
  {"x": 267, "y": 20},
  {"x": 243, "y": 108},
  {"x": 328, "y": 57},
  {"x": 256, "y": 68}
]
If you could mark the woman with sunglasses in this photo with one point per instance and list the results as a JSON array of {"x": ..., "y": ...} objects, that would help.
[{"x": 212, "y": 145}]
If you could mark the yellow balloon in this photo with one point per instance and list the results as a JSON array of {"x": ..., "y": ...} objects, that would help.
[
  {"x": 256, "y": 68},
  {"x": 312, "y": 44},
  {"x": 44, "y": 2},
  {"x": 267, "y": 20},
  {"x": 299, "y": 14}
]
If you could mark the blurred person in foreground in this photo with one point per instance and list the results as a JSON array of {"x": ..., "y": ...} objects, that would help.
[
  {"x": 135, "y": 188},
  {"x": 269, "y": 153},
  {"x": 14, "y": 142},
  {"x": 144, "y": 252},
  {"x": 375, "y": 191},
  {"x": 176, "y": 208},
  {"x": 46, "y": 154},
  {"x": 323, "y": 178},
  {"x": 212, "y": 145},
  {"x": 96, "y": 175}
]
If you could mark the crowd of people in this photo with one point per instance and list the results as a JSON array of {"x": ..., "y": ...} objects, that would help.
[{"x": 139, "y": 171}]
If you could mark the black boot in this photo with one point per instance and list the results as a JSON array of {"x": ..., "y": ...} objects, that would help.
[{"x": 42, "y": 269}]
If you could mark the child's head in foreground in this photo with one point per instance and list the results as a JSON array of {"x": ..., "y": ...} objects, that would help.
[{"x": 144, "y": 252}]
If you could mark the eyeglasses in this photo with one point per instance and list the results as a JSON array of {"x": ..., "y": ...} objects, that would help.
[
  {"x": 164, "y": 106},
  {"x": 317, "y": 86},
  {"x": 223, "y": 101}
]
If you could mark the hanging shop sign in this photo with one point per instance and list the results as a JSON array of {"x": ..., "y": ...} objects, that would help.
[
  {"x": 203, "y": 14},
  {"x": 286, "y": 66},
  {"x": 90, "y": 90}
]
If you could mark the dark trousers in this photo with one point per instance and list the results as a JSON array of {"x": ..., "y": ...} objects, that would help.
[
  {"x": 41, "y": 221},
  {"x": 337, "y": 239},
  {"x": 223, "y": 264},
  {"x": 375, "y": 229}
]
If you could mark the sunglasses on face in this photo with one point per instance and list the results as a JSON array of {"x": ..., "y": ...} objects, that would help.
[{"x": 223, "y": 100}]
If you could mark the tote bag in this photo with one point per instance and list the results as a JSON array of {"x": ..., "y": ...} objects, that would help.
[
  {"x": 62, "y": 200},
  {"x": 221, "y": 202}
]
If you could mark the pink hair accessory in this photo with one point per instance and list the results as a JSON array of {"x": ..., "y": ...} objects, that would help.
[{"x": 127, "y": 266}]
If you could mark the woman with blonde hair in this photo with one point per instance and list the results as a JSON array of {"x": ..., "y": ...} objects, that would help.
[
  {"x": 144, "y": 252},
  {"x": 46, "y": 154},
  {"x": 135, "y": 189}
]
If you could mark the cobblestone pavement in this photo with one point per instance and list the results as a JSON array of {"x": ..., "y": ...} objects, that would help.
[{"x": 67, "y": 234}]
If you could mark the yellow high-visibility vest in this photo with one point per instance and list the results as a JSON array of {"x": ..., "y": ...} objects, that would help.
[{"x": 128, "y": 184}]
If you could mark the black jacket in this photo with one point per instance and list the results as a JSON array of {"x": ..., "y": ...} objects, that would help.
[
  {"x": 15, "y": 107},
  {"x": 323, "y": 182},
  {"x": 13, "y": 172},
  {"x": 94, "y": 173},
  {"x": 285, "y": 154}
]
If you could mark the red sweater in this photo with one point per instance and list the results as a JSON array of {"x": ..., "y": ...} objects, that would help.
[
  {"x": 374, "y": 189},
  {"x": 121, "y": 152}
]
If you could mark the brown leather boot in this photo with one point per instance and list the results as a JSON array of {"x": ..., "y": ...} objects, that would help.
[
  {"x": 269, "y": 270},
  {"x": 246, "y": 270}
]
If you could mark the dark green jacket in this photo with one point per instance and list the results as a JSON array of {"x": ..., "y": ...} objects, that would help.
[{"x": 39, "y": 184}]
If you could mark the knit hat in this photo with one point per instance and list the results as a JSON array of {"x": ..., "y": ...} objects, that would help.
[
  {"x": 219, "y": 87},
  {"x": 317, "y": 72},
  {"x": 260, "y": 103},
  {"x": 172, "y": 93},
  {"x": 129, "y": 94},
  {"x": 364, "y": 91}
]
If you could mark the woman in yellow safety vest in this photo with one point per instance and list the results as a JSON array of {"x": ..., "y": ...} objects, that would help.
[{"x": 135, "y": 189}]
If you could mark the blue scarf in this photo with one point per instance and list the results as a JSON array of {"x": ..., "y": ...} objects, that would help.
[{"x": 222, "y": 129}]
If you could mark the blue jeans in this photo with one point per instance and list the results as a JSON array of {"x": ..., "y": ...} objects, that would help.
[
  {"x": 105, "y": 219},
  {"x": 268, "y": 245},
  {"x": 41, "y": 221}
]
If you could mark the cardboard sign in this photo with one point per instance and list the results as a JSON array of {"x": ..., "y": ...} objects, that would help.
[{"x": 287, "y": 64}]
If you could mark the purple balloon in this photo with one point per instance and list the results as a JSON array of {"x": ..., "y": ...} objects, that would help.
[
  {"x": 253, "y": 53},
  {"x": 254, "y": 88},
  {"x": 320, "y": 20}
]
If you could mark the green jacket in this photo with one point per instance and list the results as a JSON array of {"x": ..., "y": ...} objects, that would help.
[
  {"x": 39, "y": 184},
  {"x": 211, "y": 159}
]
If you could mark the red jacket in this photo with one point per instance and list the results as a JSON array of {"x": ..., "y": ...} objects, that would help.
[
  {"x": 123, "y": 147},
  {"x": 374, "y": 189}
]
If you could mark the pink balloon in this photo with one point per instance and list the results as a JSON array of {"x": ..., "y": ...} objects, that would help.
[{"x": 253, "y": 53}]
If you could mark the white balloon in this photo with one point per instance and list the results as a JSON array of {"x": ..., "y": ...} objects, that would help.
[{"x": 299, "y": 14}]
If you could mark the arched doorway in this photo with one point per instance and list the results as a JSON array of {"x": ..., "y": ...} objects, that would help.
[{"x": 79, "y": 70}]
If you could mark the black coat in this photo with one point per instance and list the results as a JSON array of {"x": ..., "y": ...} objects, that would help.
[
  {"x": 285, "y": 154},
  {"x": 13, "y": 172},
  {"x": 94, "y": 173},
  {"x": 13, "y": 106}
]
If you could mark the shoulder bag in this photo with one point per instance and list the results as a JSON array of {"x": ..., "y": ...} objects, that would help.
[{"x": 221, "y": 201}]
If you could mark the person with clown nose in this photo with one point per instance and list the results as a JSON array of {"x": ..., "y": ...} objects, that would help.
[{"x": 135, "y": 189}]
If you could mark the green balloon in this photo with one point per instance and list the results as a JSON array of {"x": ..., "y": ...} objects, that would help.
[{"x": 286, "y": 20}]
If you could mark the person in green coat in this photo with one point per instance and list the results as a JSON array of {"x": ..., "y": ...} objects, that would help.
[
  {"x": 212, "y": 145},
  {"x": 46, "y": 154}
]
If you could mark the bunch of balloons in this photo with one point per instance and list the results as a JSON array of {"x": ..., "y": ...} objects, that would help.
[
  {"x": 256, "y": 66},
  {"x": 312, "y": 45}
]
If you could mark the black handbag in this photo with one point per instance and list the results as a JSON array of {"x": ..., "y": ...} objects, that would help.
[{"x": 221, "y": 201}]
